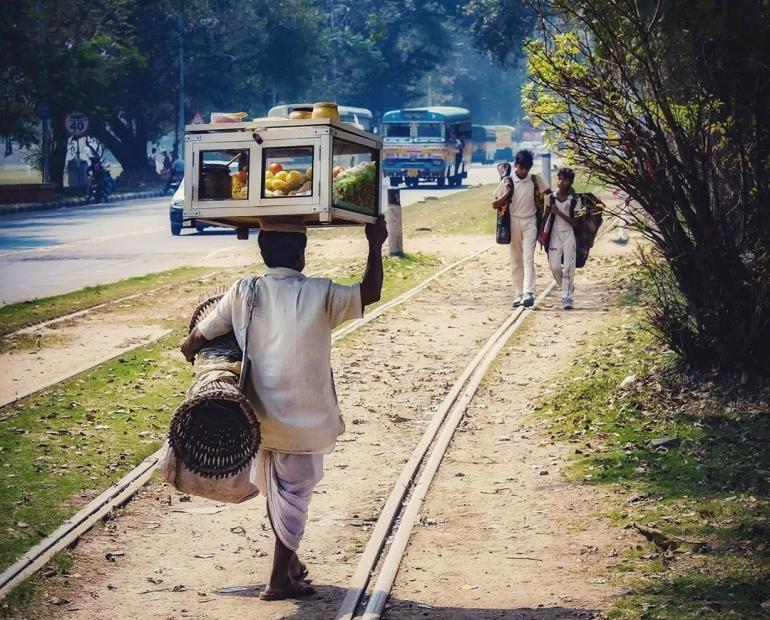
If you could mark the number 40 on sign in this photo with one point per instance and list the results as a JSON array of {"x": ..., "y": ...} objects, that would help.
[{"x": 76, "y": 124}]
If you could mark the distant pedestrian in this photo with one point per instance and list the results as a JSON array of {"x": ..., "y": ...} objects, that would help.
[
  {"x": 623, "y": 217},
  {"x": 152, "y": 163},
  {"x": 176, "y": 171},
  {"x": 527, "y": 205},
  {"x": 166, "y": 170},
  {"x": 562, "y": 247},
  {"x": 459, "y": 148}
]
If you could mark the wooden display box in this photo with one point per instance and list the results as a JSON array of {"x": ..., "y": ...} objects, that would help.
[{"x": 236, "y": 173}]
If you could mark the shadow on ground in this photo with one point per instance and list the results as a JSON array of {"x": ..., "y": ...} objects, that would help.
[{"x": 324, "y": 604}]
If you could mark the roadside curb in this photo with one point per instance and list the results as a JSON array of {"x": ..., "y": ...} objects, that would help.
[{"x": 25, "y": 207}]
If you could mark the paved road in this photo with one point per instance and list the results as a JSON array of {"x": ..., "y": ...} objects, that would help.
[{"x": 53, "y": 252}]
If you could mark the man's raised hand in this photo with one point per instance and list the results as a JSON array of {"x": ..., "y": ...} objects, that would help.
[{"x": 377, "y": 233}]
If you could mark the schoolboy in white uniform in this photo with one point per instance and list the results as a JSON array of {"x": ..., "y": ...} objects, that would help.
[
  {"x": 527, "y": 200},
  {"x": 562, "y": 248}
]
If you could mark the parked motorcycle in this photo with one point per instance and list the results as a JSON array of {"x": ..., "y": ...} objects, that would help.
[{"x": 100, "y": 182}]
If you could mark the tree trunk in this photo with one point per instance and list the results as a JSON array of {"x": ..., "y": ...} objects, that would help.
[
  {"x": 59, "y": 142},
  {"x": 127, "y": 141}
]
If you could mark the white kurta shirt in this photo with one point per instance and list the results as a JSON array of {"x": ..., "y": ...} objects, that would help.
[{"x": 290, "y": 354}]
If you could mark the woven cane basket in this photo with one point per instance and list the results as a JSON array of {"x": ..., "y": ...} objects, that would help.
[{"x": 215, "y": 432}]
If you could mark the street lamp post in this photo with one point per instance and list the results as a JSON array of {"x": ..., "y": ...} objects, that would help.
[{"x": 180, "y": 103}]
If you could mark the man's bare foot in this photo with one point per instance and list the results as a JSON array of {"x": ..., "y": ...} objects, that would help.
[
  {"x": 297, "y": 569},
  {"x": 292, "y": 589}
]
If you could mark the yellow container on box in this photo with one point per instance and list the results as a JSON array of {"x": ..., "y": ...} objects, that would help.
[{"x": 326, "y": 109}]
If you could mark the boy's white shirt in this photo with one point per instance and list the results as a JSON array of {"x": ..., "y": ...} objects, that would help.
[
  {"x": 523, "y": 204},
  {"x": 564, "y": 206}
]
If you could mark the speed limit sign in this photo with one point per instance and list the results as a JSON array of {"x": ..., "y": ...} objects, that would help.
[{"x": 76, "y": 124}]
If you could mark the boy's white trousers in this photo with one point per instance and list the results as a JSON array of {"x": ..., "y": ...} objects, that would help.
[
  {"x": 561, "y": 257},
  {"x": 523, "y": 242}
]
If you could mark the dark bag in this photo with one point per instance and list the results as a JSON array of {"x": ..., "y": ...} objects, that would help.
[
  {"x": 545, "y": 227},
  {"x": 540, "y": 208},
  {"x": 586, "y": 231},
  {"x": 503, "y": 236}
]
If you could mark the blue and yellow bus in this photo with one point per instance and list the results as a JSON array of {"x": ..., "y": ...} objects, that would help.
[
  {"x": 430, "y": 144},
  {"x": 484, "y": 144}
]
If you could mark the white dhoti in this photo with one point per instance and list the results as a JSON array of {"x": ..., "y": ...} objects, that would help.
[{"x": 287, "y": 481}]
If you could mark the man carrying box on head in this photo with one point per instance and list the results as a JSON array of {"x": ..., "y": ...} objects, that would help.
[{"x": 291, "y": 383}]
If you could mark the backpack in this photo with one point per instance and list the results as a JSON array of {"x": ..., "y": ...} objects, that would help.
[{"x": 585, "y": 232}]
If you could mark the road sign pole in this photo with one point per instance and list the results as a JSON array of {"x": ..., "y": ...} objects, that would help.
[
  {"x": 395, "y": 231},
  {"x": 79, "y": 181},
  {"x": 45, "y": 145},
  {"x": 180, "y": 121}
]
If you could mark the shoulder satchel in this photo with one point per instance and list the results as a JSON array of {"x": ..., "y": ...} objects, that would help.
[
  {"x": 545, "y": 230},
  {"x": 243, "y": 379},
  {"x": 503, "y": 227},
  {"x": 539, "y": 201}
]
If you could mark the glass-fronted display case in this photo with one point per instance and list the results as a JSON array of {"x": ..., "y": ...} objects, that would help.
[
  {"x": 287, "y": 171},
  {"x": 355, "y": 172},
  {"x": 223, "y": 174},
  {"x": 327, "y": 172}
]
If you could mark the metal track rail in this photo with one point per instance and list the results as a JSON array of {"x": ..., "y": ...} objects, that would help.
[
  {"x": 436, "y": 439},
  {"x": 126, "y": 487}
]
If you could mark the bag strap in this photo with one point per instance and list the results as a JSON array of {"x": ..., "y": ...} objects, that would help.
[
  {"x": 243, "y": 379},
  {"x": 537, "y": 194}
]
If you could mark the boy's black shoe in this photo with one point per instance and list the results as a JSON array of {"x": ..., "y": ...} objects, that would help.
[
  {"x": 516, "y": 302},
  {"x": 529, "y": 301}
]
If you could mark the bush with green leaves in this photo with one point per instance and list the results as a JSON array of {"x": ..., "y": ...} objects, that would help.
[{"x": 670, "y": 103}]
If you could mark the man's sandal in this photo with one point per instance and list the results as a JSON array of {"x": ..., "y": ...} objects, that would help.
[{"x": 294, "y": 589}]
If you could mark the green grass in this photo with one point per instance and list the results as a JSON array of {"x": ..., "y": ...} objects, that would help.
[
  {"x": 584, "y": 182},
  {"x": 18, "y": 175},
  {"x": 401, "y": 274},
  {"x": 63, "y": 446},
  {"x": 465, "y": 213},
  {"x": 16, "y": 316},
  {"x": 31, "y": 342},
  {"x": 712, "y": 486}
]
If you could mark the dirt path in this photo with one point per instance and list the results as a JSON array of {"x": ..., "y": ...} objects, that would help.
[
  {"x": 174, "y": 555},
  {"x": 65, "y": 348},
  {"x": 501, "y": 533}
]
